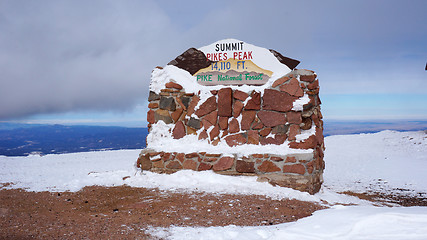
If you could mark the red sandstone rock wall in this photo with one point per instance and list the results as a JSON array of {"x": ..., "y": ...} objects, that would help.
[
  {"x": 261, "y": 116},
  {"x": 237, "y": 118}
]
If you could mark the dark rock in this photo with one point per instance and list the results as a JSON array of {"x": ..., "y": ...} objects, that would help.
[
  {"x": 280, "y": 129},
  {"x": 191, "y": 60},
  {"x": 167, "y": 103},
  {"x": 162, "y": 115},
  {"x": 194, "y": 123},
  {"x": 185, "y": 100},
  {"x": 306, "y": 123},
  {"x": 153, "y": 96},
  {"x": 291, "y": 63},
  {"x": 245, "y": 167}
]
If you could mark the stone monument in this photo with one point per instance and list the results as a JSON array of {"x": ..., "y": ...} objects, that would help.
[{"x": 236, "y": 109}]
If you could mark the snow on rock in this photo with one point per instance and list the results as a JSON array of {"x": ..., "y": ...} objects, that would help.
[
  {"x": 300, "y": 102},
  {"x": 305, "y": 134},
  {"x": 160, "y": 139}
]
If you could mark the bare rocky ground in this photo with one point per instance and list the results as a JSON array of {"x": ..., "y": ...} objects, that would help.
[
  {"x": 397, "y": 198},
  {"x": 125, "y": 212}
]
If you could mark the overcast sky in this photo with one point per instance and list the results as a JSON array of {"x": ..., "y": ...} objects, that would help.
[{"x": 92, "y": 60}]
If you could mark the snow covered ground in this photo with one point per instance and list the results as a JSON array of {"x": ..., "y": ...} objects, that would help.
[{"x": 384, "y": 161}]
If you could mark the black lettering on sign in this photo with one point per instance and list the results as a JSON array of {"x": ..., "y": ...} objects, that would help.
[{"x": 229, "y": 46}]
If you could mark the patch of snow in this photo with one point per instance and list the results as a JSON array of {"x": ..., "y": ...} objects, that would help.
[
  {"x": 383, "y": 161},
  {"x": 353, "y": 162},
  {"x": 306, "y": 133},
  {"x": 300, "y": 102},
  {"x": 67, "y": 172},
  {"x": 160, "y": 139},
  {"x": 339, "y": 222}
]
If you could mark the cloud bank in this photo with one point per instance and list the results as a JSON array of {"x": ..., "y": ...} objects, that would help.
[{"x": 61, "y": 56}]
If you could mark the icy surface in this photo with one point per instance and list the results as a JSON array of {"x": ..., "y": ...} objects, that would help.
[{"x": 384, "y": 161}]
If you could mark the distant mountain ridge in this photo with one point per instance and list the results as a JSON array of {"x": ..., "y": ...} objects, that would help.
[
  {"x": 51, "y": 139},
  {"x": 18, "y": 139}
]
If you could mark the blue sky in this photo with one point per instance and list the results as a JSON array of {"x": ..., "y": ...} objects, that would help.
[{"x": 80, "y": 62}]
